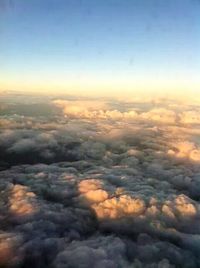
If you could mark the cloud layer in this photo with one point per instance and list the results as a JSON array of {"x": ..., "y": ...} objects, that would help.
[{"x": 95, "y": 187}]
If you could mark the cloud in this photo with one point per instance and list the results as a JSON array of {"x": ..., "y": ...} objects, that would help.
[
  {"x": 162, "y": 115},
  {"x": 186, "y": 149},
  {"x": 9, "y": 244},
  {"x": 105, "y": 184},
  {"x": 92, "y": 110},
  {"x": 21, "y": 201},
  {"x": 190, "y": 117}
]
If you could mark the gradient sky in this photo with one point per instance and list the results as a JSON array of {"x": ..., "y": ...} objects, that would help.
[{"x": 100, "y": 46}]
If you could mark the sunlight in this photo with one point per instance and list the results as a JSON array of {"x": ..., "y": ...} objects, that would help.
[{"x": 22, "y": 202}]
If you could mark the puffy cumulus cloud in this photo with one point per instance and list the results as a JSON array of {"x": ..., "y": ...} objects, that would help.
[
  {"x": 5, "y": 123},
  {"x": 186, "y": 149},
  {"x": 105, "y": 207},
  {"x": 185, "y": 206},
  {"x": 165, "y": 112},
  {"x": 22, "y": 145},
  {"x": 104, "y": 110},
  {"x": 82, "y": 108},
  {"x": 92, "y": 110},
  {"x": 95, "y": 252},
  {"x": 9, "y": 243},
  {"x": 190, "y": 117},
  {"x": 32, "y": 146},
  {"x": 91, "y": 190},
  {"x": 21, "y": 201},
  {"x": 119, "y": 207},
  {"x": 180, "y": 207},
  {"x": 160, "y": 114},
  {"x": 104, "y": 186},
  {"x": 195, "y": 155}
]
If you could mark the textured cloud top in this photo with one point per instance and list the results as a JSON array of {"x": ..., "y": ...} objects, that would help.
[{"x": 99, "y": 183}]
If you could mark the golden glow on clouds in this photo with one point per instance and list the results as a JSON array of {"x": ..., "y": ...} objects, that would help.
[{"x": 22, "y": 202}]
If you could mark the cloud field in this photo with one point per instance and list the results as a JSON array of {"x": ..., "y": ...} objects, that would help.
[{"x": 100, "y": 183}]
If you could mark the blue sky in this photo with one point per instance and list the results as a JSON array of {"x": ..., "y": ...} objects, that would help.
[{"x": 71, "y": 44}]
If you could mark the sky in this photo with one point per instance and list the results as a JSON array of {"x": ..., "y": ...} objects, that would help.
[{"x": 101, "y": 47}]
